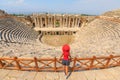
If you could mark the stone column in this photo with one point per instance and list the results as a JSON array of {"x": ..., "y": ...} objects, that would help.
[
  {"x": 43, "y": 32},
  {"x": 73, "y": 22},
  {"x": 79, "y": 22},
  {"x": 52, "y": 32},
  {"x": 46, "y": 33},
  {"x": 64, "y": 22},
  {"x": 49, "y": 21},
  {"x": 41, "y": 22},
  {"x": 35, "y": 21},
  {"x": 46, "y": 25},
  {"x": 61, "y": 21},
  {"x": 63, "y": 32},
  {"x": 53, "y": 21},
  {"x": 70, "y": 32},
  {"x": 69, "y": 22},
  {"x": 76, "y": 22}
]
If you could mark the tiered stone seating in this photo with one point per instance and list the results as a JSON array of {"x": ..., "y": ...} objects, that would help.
[
  {"x": 101, "y": 36},
  {"x": 13, "y": 31},
  {"x": 114, "y": 28}
]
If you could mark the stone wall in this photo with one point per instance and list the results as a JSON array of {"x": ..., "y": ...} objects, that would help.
[
  {"x": 2, "y": 13},
  {"x": 56, "y": 20}
]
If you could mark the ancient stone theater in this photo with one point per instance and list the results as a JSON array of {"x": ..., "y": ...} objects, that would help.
[{"x": 43, "y": 34}]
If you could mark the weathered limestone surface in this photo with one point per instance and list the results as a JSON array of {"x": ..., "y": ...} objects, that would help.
[{"x": 100, "y": 37}]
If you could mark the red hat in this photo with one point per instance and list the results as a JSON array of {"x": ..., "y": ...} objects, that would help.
[{"x": 66, "y": 47}]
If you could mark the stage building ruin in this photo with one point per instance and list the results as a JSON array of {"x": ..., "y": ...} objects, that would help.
[
  {"x": 62, "y": 26},
  {"x": 56, "y": 21}
]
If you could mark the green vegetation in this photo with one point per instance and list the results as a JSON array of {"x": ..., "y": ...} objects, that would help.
[
  {"x": 57, "y": 24},
  {"x": 87, "y": 15},
  {"x": 18, "y": 14}
]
